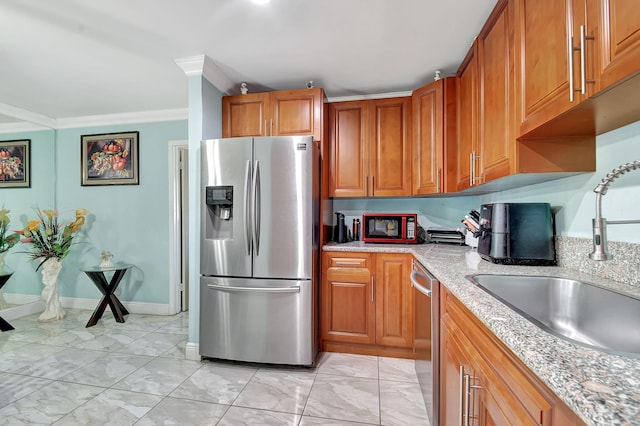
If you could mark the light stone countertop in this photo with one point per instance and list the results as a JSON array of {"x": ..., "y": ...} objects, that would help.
[{"x": 601, "y": 388}]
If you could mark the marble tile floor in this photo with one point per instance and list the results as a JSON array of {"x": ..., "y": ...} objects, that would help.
[{"x": 136, "y": 374}]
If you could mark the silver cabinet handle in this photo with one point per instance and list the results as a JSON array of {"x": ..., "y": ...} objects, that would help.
[
  {"x": 293, "y": 289},
  {"x": 465, "y": 397},
  {"x": 583, "y": 58},
  {"x": 471, "y": 168},
  {"x": 346, "y": 262},
  {"x": 583, "y": 71},
  {"x": 570, "y": 53},
  {"x": 438, "y": 177},
  {"x": 467, "y": 394},
  {"x": 271, "y": 127},
  {"x": 247, "y": 203},
  {"x": 373, "y": 286},
  {"x": 461, "y": 389}
]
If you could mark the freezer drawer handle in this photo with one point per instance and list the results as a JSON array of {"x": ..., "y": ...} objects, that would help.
[{"x": 294, "y": 289}]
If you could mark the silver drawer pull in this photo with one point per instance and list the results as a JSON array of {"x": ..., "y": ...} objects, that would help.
[{"x": 345, "y": 262}]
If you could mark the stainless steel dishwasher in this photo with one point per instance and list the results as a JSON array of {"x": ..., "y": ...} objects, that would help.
[{"x": 427, "y": 337}]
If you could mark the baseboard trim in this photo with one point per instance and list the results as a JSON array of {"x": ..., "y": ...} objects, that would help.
[
  {"x": 83, "y": 303},
  {"x": 24, "y": 310},
  {"x": 192, "y": 351},
  {"x": 132, "y": 307}
]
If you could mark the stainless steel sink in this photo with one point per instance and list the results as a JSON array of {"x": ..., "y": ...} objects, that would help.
[{"x": 573, "y": 310}]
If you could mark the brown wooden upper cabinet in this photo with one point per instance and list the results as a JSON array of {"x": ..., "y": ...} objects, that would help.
[
  {"x": 463, "y": 152},
  {"x": 370, "y": 148},
  {"x": 434, "y": 127},
  {"x": 495, "y": 156},
  {"x": 279, "y": 113},
  {"x": 485, "y": 146},
  {"x": 572, "y": 50}
]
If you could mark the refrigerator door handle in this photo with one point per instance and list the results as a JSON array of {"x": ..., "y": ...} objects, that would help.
[
  {"x": 247, "y": 201},
  {"x": 256, "y": 208},
  {"x": 293, "y": 289}
]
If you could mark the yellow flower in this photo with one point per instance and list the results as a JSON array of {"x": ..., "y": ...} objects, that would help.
[
  {"x": 33, "y": 225},
  {"x": 4, "y": 216},
  {"x": 80, "y": 214},
  {"x": 51, "y": 213}
]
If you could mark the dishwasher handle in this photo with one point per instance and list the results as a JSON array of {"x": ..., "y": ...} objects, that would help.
[{"x": 418, "y": 286}]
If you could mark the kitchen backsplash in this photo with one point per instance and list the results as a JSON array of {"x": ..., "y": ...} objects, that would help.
[{"x": 573, "y": 253}]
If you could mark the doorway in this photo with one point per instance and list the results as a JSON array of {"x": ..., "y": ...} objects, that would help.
[{"x": 179, "y": 232}]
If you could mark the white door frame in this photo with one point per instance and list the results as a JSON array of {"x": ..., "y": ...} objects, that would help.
[{"x": 175, "y": 296}]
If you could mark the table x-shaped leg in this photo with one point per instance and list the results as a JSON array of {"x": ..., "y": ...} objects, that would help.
[{"x": 109, "y": 298}]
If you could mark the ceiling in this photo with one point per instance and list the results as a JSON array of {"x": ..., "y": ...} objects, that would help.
[{"x": 77, "y": 58}]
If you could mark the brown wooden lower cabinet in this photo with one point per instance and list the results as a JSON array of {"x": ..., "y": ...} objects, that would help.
[
  {"x": 483, "y": 383},
  {"x": 367, "y": 303}
]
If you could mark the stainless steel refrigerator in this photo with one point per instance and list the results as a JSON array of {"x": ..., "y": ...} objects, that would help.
[{"x": 259, "y": 249}]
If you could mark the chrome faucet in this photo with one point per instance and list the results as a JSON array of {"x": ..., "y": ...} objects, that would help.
[{"x": 599, "y": 223}]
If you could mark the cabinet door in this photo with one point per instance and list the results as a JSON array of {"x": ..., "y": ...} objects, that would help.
[
  {"x": 454, "y": 364},
  {"x": 620, "y": 40},
  {"x": 428, "y": 138},
  {"x": 390, "y": 147},
  {"x": 495, "y": 59},
  {"x": 245, "y": 115},
  {"x": 460, "y": 158},
  {"x": 348, "y": 311},
  {"x": 349, "y": 164},
  {"x": 296, "y": 112},
  {"x": 394, "y": 300},
  {"x": 546, "y": 33}
]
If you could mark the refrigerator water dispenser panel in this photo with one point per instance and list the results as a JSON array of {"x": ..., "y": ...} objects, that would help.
[
  {"x": 220, "y": 199},
  {"x": 219, "y": 212}
]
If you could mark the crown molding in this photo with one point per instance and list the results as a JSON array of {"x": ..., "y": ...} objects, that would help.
[
  {"x": 20, "y": 127},
  {"x": 366, "y": 97},
  {"x": 203, "y": 65},
  {"x": 123, "y": 118},
  {"x": 23, "y": 114}
]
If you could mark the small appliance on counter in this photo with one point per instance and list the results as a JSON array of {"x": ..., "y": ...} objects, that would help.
[
  {"x": 390, "y": 228},
  {"x": 517, "y": 234},
  {"x": 445, "y": 235},
  {"x": 340, "y": 230},
  {"x": 471, "y": 221}
]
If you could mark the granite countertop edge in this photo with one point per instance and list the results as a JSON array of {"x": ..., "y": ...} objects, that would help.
[{"x": 601, "y": 388}]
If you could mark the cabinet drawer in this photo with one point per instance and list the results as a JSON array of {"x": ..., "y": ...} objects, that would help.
[{"x": 348, "y": 260}]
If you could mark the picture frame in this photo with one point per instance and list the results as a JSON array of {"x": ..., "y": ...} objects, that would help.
[
  {"x": 15, "y": 163},
  {"x": 110, "y": 159}
]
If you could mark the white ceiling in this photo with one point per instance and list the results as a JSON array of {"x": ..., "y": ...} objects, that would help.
[{"x": 74, "y": 58}]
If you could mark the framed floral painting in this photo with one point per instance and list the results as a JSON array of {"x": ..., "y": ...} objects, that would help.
[
  {"x": 110, "y": 159},
  {"x": 15, "y": 164}
]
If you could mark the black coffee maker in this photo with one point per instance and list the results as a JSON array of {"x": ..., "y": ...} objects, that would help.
[{"x": 340, "y": 230}]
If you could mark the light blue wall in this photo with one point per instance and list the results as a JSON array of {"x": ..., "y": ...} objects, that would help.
[
  {"x": 574, "y": 199},
  {"x": 431, "y": 211},
  {"x": 23, "y": 201},
  {"x": 130, "y": 221},
  {"x": 205, "y": 122}
]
